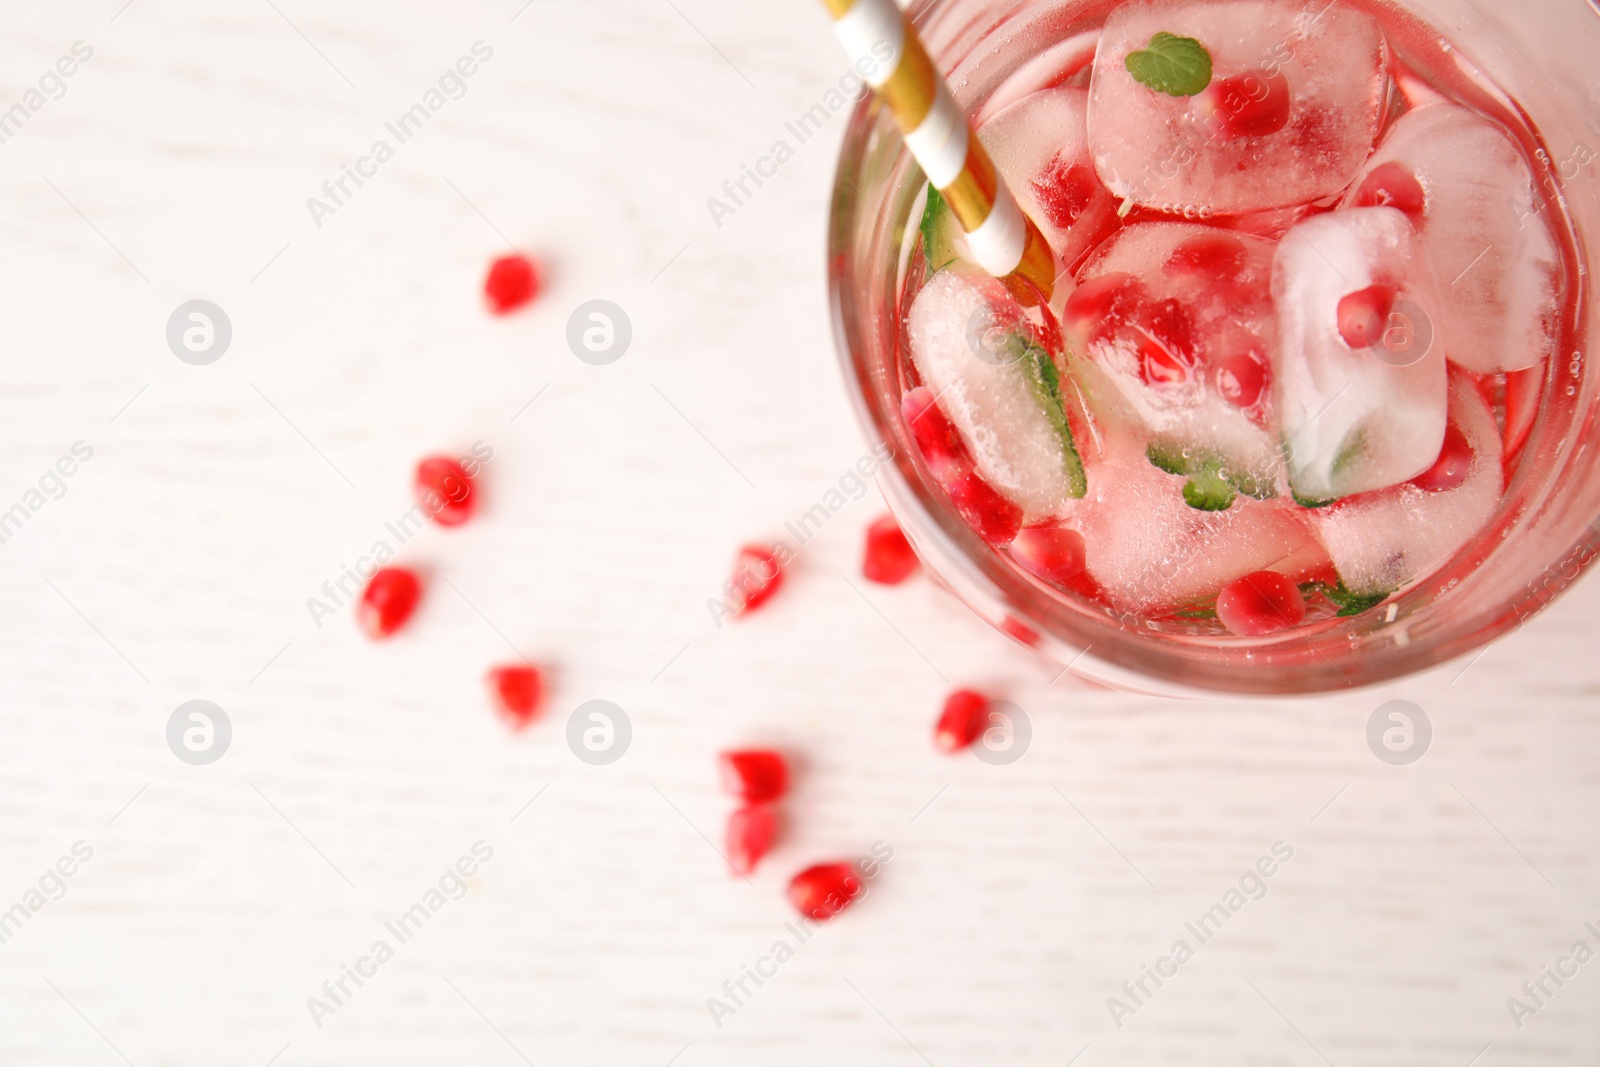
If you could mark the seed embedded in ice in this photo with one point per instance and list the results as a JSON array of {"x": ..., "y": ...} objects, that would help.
[
  {"x": 1364, "y": 315},
  {"x": 1164, "y": 336},
  {"x": 1097, "y": 308},
  {"x": 1248, "y": 105},
  {"x": 1209, "y": 257},
  {"x": 1259, "y": 604},
  {"x": 1065, "y": 191},
  {"x": 995, "y": 518},
  {"x": 1393, "y": 185},
  {"x": 1242, "y": 378},
  {"x": 1452, "y": 467},
  {"x": 1053, "y": 553}
]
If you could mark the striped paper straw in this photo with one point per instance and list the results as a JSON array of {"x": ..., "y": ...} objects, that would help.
[{"x": 1001, "y": 238}]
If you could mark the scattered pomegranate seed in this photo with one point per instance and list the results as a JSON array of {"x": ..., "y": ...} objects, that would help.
[
  {"x": 512, "y": 281},
  {"x": 1259, "y": 604},
  {"x": 936, "y": 438},
  {"x": 1099, "y": 307},
  {"x": 1248, "y": 105},
  {"x": 751, "y": 831},
  {"x": 995, "y": 518},
  {"x": 1450, "y": 470},
  {"x": 1209, "y": 256},
  {"x": 388, "y": 600},
  {"x": 1364, "y": 315},
  {"x": 1242, "y": 378},
  {"x": 889, "y": 558},
  {"x": 1053, "y": 553},
  {"x": 1065, "y": 190},
  {"x": 823, "y": 891},
  {"x": 757, "y": 574},
  {"x": 518, "y": 691},
  {"x": 965, "y": 714},
  {"x": 444, "y": 489},
  {"x": 756, "y": 775},
  {"x": 1393, "y": 185}
]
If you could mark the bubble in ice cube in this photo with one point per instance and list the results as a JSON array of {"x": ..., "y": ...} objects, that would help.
[
  {"x": 975, "y": 348},
  {"x": 1152, "y": 553},
  {"x": 1471, "y": 195},
  {"x": 1291, "y": 111},
  {"x": 1360, "y": 401},
  {"x": 1040, "y": 147},
  {"x": 1170, "y": 332},
  {"x": 1381, "y": 541}
]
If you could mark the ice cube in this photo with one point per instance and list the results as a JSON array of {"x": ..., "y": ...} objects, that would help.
[
  {"x": 1040, "y": 147},
  {"x": 1152, "y": 553},
  {"x": 1380, "y": 541},
  {"x": 1170, "y": 331},
  {"x": 1482, "y": 227},
  {"x": 1356, "y": 417},
  {"x": 972, "y": 345},
  {"x": 1291, "y": 112}
]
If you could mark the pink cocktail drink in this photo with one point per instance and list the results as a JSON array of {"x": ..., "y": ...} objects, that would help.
[{"x": 1313, "y": 283}]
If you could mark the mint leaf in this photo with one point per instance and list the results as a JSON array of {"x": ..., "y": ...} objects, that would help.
[
  {"x": 1047, "y": 385},
  {"x": 1308, "y": 502},
  {"x": 1177, "y": 66},
  {"x": 1206, "y": 490},
  {"x": 938, "y": 249},
  {"x": 1166, "y": 458},
  {"x": 1340, "y": 596}
]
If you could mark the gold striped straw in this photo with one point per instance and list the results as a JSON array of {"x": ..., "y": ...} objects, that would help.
[{"x": 1001, "y": 238}]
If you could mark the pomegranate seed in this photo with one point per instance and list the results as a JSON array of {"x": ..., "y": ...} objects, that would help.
[
  {"x": 1209, "y": 256},
  {"x": 1523, "y": 388},
  {"x": 513, "y": 281},
  {"x": 965, "y": 714},
  {"x": 1248, "y": 105},
  {"x": 1019, "y": 631},
  {"x": 757, "y": 574},
  {"x": 444, "y": 489},
  {"x": 1450, "y": 470},
  {"x": 518, "y": 691},
  {"x": 995, "y": 518},
  {"x": 936, "y": 438},
  {"x": 751, "y": 831},
  {"x": 823, "y": 891},
  {"x": 1065, "y": 191},
  {"x": 755, "y": 775},
  {"x": 1364, "y": 315},
  {"x": 1259, "y": 604},
  {"x": 1165, "y": 341},
  {"x": 889, "y": 559},
  {"x": 1097, "y": 308},
  {"x": 388, "y": 600},
  {"x": 1393, "y": 185},
  {"x": 1242, "y": 378},
  {"x": 1053, "y": 553}
]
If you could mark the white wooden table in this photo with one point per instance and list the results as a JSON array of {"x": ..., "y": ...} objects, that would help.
[{"x": 218, "y": 499}]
